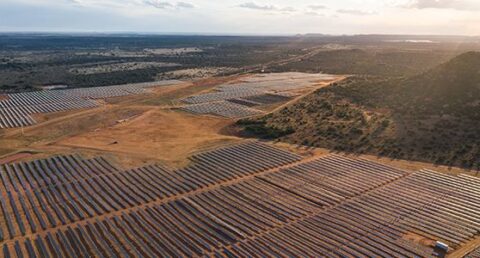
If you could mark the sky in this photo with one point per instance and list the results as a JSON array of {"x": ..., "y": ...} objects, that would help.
[{"x": 258, "y": 17}]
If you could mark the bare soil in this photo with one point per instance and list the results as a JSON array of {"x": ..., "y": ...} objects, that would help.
[
  {"x": 415, "y": 238},
  {"x": 157, "y": 134},
  {"x": 14, "y": 157},
  {"x": 466, "y": 248}
]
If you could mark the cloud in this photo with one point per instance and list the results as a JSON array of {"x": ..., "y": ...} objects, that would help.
[
  {"x": 287, "y": 9},
  {"x": 158, "y": 4},
  {"x": 443, "y": 4},
  {"x": 185, "y": 5},
  {"x": 355, "y": 12},
  {"x": 255, "y": 6},
  {"x": 317, "y": 7},
  {"x": 311, "y": 13},
  {"x": 167, "y": 5}
]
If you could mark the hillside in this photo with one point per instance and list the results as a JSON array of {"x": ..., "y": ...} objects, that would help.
[
  {"x": 431, "y": 117},
  {"x": 379, "y": 62}
]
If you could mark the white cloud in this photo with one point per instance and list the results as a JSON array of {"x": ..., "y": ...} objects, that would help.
[
  {"x": 274, "y": 8},
  {"x": 158, "y": 4},
  {"x": 317, "y": 7},
  {"x": 443, "y": 4},
  {"x": 287, "y": 9},
  {"x": 168, "y": 5},
  {"x": 312, "y": 13},
  {"x": 185, "y": 5},
  {"x": 255, "y": 6},
  {"x": 246, "y": 16},
  {"x": 356, "y": 12}
]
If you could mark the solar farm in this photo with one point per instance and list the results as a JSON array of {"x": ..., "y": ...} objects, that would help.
[
  {"x": 244, "y": 200},
  {"x": 223, "y": 108},
  {"x": 164, "y": 183},
  {"x": 256, "y": 90},
  {"x": 16, "y": 109},
  {"x": 474, "y": 254}
]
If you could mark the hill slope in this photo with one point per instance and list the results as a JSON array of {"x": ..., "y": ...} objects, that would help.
[
  {"x": 380, "y": 62},
  {"x": 430, "y": 117}
]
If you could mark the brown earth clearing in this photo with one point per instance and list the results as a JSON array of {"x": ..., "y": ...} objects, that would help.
[{"x": 157, "y": 134}]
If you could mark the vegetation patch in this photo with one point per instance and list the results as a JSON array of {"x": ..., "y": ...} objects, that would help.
[{"x": 430, "y": 117}]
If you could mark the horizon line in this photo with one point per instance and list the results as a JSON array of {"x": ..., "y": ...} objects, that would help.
[{"x": 222, "y": 34}]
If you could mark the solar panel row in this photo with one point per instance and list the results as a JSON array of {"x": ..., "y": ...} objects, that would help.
[
  {"x": 17, "y": 108},
  {"x": 252, "y": 91},
  {"x": 245, "y": 200}
]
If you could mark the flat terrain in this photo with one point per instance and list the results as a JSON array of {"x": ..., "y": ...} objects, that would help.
[
  {"x": 158, "y": 134},
  {"x": 36, "y": 60}
]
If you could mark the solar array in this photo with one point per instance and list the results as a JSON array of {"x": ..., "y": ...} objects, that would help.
[
  {"x": 245, "y": 200},
  {"x": 252, "y": 91},
  {"x": 267, "y": 98},
  {"x": 474, "y": 254},
  {"x": 221, "y": 95},
  {"x": 223, "y": 109},
  {"x": 374, "y": 224},
  {"x": 17, "y": 108},
  {"x": 278, "y": 82}
]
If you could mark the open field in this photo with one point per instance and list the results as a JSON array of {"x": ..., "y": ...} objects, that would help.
[
  {"x": 136, "y": 177},
  {"x": 159, "y": 134}
]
